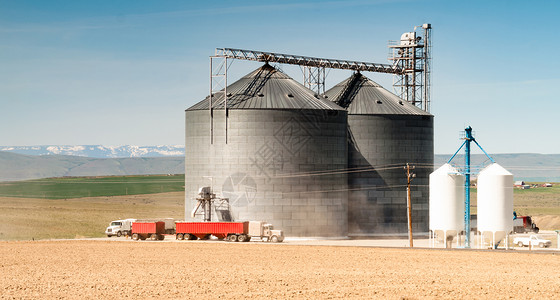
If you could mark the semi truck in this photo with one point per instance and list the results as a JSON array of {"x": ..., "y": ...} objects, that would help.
[
  {"x": 524, "y": 224},
  {"x": 119, "y": 227},
  {"x": 123, "y": 227},
  {"x": 231, "y": 231},
  {"x": 148, "y": 230}
]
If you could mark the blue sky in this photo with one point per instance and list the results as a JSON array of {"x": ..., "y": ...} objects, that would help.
[{"x": 123, "y": 72}]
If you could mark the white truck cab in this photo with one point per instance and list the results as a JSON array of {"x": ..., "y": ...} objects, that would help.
[
  {"x": 119, "y": 227},
  {"x": 265, "y": 232}
]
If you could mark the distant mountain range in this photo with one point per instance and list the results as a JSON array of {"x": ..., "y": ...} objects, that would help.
[
  {"x": 99, "y": 151},
  {"x": 48, "y": 161}
]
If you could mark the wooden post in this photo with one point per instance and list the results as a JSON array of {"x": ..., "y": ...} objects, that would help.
[{"x": 409, "y": 177}]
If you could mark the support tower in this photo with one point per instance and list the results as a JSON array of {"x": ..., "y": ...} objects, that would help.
[{"x": 412, "y": 54}]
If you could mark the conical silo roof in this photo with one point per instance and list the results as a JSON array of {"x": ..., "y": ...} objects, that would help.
[
  {"x": 362, "y": 96},
  {"x": 495, "y": 169},
  {"x": 267, "y": 88}
]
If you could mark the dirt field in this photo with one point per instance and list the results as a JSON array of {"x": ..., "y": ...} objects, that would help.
[{"x": 126, "y": 269}]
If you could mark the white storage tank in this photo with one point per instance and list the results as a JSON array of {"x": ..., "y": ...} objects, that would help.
[
  {"x": 495, "y": 203},
  {"x": 447, "y": 202}
]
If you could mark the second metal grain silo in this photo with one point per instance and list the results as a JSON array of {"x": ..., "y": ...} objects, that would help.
[
  {"x": 494, "y": 203},
  {"x": 385, "y": 133},
  {"x": 276, "y": 153}
]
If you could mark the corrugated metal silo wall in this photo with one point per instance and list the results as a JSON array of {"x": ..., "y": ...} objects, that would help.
[
  {"x": 267, "y": 167},
  {"x": 377, "y": 199}
]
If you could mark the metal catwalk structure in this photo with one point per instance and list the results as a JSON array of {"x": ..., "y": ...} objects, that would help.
[{"x": 314, "y": 67}]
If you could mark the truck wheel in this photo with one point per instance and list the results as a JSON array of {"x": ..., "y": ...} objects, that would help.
[
  {"x": 135, "y": 236},
  {"x": 179, "y": 236},
  {"x": 264, "y": 239},
  {"x": 161, "y": 237},
  {"x": 541, "y": 245},
  {"x": 536, "y": 230},
  {"x": 274, "y": 239},
  {"x": 242, "y": 238},
  {"x": 153, "y": 237},
  {"x": 520, "y": 244},
  {"x": 232, "y": 238},
  {"x": 108, "y": 235},
  {"x": 119, "y": 234}
]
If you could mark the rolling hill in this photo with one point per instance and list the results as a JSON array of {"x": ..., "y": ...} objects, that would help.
[
  {"x": 525, "y": 166},
  {"x": 15, "y": 167},
  {"x": 530, "y": 167}
]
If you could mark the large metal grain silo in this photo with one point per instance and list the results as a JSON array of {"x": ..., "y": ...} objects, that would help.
[
  {"x": 277, "y": 155},
  {"x": 385, "y": 133}
]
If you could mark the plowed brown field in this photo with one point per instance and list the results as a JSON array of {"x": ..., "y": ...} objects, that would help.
[{"x": 208, "y": 270}]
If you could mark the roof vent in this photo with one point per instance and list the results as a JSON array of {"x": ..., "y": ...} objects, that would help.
[
  {"x": 291, "y": 95},
  {"x": 378, "y": 101},
  {"x": 260, "y": 95},
  {"x": 229, "y": 94},
  {"x": 326, "y": 96},
  {"x": 400, "y": 102}
]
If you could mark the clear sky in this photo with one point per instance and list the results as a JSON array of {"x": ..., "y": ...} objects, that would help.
[{"x": 123, "y": 72}]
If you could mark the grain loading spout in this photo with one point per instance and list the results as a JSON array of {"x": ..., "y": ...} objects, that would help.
[{"x": 206, "y": 200}]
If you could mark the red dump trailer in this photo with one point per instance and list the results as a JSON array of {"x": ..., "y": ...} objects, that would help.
[
  {"x": 203, "y": 230},
  {"x": 144, "y": 230},
  {"x": 232, "y": 231}
]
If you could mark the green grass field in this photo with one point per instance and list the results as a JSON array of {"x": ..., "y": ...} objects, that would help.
[
  {"x": 534, "y": 201},
  {"x": 79, "y": 187}
]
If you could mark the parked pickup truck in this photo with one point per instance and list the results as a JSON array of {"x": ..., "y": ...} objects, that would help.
[{"x": 533, "y": 240}]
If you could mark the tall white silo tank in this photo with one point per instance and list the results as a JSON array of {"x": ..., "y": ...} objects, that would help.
[
  {"x": 495, "y": 203},
  {"x": 447, "y": 201}
]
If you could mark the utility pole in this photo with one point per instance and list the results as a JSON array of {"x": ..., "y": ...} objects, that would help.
[{"x": 409, "y": 177}]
